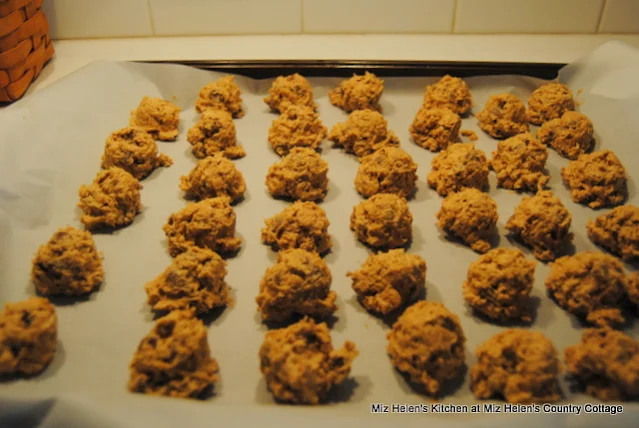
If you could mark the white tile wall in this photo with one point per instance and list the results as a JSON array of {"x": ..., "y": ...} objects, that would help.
[{"x": 620, "y": 16}]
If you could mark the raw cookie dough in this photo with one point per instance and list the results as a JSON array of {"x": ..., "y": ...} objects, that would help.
[
  {"x": 214, "y": 133},
  {"x": 549, "y": 102},
  {"x": 383, "y": 221},
  {"x": 299, "y": 283},
  {"x": 427, "y": 345},
  {"x": 388, "y": 170},
  {"x": 542, "y": 223},
  {"x": 300, "y": 364},
  {"x": 632, "y": 290},
  {"x": 174, "y": 359},
  {"x": 435, "y": 128},
  {"x": 591, "y": 286},
  {"x": 290, "y": 90},
  {"x": 298, "y": 126},
  {"x": 158, "y": 117},
  {"x": 499, "y": 283},
  {"x": 520, "y": 366},
  {"x": 597, "y": 179},
  {"x": 503, "y": 116},
  {"x": 460, "y": 165},
  {"x": 617, "y": 231},
  {"x": 300, "y": 175},
  {"x": 570, "y": 136},
  {"x": 451, "y": 93},
  {"x": 214, "y": 176},
  {"x": 135, "y": 151},
  {"x": 519, "y": 163},
  {"x": 300, "y": 225},
  {"x": 358, "y": 93},
  {"x": 224, "y": 95},
  {"x": 389, "y": 281},
  {"x": 68, "y": 264},
  {"x": 606, "y": 363},
  {"x": 470, "y": 215},
  {"x": 194, "y": 280},
  {"x": 111, "y": 201},
  {"x": 28, "y": 336},
  {"x": 364, "y": 132},
  {"x": 209, "y": 223}
]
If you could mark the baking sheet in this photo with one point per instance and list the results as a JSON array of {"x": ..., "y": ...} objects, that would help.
[{"x": 51, "y": 143}]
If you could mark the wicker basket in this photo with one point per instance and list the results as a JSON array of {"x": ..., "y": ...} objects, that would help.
[{"x": 25, "y": 46}]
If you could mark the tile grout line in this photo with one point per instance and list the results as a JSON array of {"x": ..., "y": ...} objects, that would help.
[
  {"x": 148, "y": 9},
  {"x": 454, "y": 24},
  {"x": 603, "y": 8}
]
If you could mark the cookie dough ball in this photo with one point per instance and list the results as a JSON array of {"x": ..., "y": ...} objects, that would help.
[
  {"x": 388, "y": 170},
  {"x": 451, "y": 93},
  {"x": 471, "y": 216},
  {"x": 589, "y": 285},
  {"x": 209, "y": 223},
  {"x": 224, "y": 95},
  {"x": 460, "y": 165},
  {"x": 364, "y": 132},
  {"x": 300, "y": 225},
  {"x": 617, "y": 231},
  {"x": 111, "y": 201},
  {"x": 301, "y": 175},
  {"x": 597, "y": 180},
  {"x": 174, "y": 359},
  {"x": 519, "y": 163},
  {"x": 214, "y": 133},
  {"x": 548, "y": 102},
  {"x": 389, "y": 281},
  {"x": 290, "y": 90},
  {"x": 135, "y": 151},
  {"x": 427, "y": 345},
  {"x": 571, "y": 135},
  {"x": 194, "y": 280},
  {"x": 28, "y": 336},
  {"x": 68, "y": 264},
  {"x": 383, "y": 221},
  {"x": 214, "y": 176},
  {"x": 300, "y": 364},
  {"x": 606, "y": 364},
  {"x": 503, "y": 116},
  {"x": 358, "y": 93},
  {"x": 298, "y": 126},
  {"x": 632, "y": 290},
  {"x": 435, "y": 128},
  {"x": 498, "y": 285},
  {"x": 542, "y": 223},
  {"x": 297, "y": 284},
  {"x": 520, "y": 366},
  {"x": 158, "y": 117}
]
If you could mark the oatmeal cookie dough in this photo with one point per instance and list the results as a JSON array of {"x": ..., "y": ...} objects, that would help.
[
  {"x": 214, "y": 176},
  {"x": 571, "y": 135},
  {"x": 298, "y": 284},
  {"x": 617, "y": 231},
  {"x": 427, "y": 345},
  {"x": 606, "y": 364},
  {"x": 451, "y": 93},
  {"x": 28, "y": 336},
  {"x": 435, "y": 128},
  {"x": 548, "y": 102},
  {"x": 388, "y": 170},
  {"x": 541, "y": 222},
  {"x": 469, "y": 215},
  {"x": 214, "y": 133},
  {"x": 301, "y": 225},
  {"x": 503, "y": 116},
  {"x": 520, "y": 366},
  {"x": 383, "y": 221},
  {"x": 460, "y": 165},
  {"x": 68, "y": 264},
  {"x": 300, "y": 175},
  {"x": 111, "y": 201},
  {"x": 364, "y": 132},
  {"x": 389, "y": 281},
  {"x": 224, "y": 95},
  {"x": 498, "y": 285},
  {"x": 301, "y": 366},
  {"x": 632, "y": 290},
  {"x": 290, "y": 90},
  {"x": 158, "y": 117},
  {"x": 358, "y": 93},
  {"x": 297, "y": 126},
  {"x": 194, "y": 280},
  {"x": 209, "y": 223},
  {"x": 519, "y": 163},
  {"x": 597, "y": 179},
  {"x": 174, "y": 359}
]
